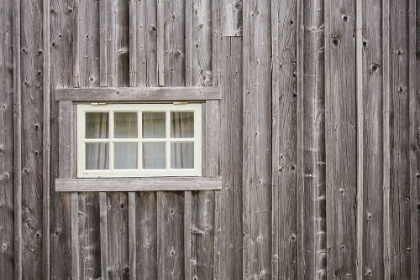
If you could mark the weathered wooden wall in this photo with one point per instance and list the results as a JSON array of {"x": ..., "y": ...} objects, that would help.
[{"x": 318, "y": 126}]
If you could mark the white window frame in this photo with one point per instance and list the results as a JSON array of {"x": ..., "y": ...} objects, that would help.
[{"x": 82, "y": 109}]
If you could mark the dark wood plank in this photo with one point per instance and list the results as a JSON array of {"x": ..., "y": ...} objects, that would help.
[
  {"x": 373, "y": 139},
  {"x": 257, "y": 140},
  {"x": 7, "y": 96},
  {"x": 62, "y": 21},
  {"x": 231, "y": 159},
  {"x": 138, "y": 94},
  {"x": 399, "y": 131},
  {"x": 140, "y": 184},
  {"x": 341, "y": 139},
  {"x": 416, "y": 118},
  {"x": 284, "y": 140},
  {"x": 146, "y": 232},
  {"x": 32, "y": 61}
]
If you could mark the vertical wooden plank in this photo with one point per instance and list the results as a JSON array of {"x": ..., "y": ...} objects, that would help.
[
  {"x": 313, "y": 91},
  {"x": 103, "y": 45},
  {"x": 46, "y": 84},
  {"x": 111, "y": 41},
  {"x": 133, "y": 42},
  {"x": 341, "y": 165},
  {"x": 231, "y": 18},
  {"x": 217, "y": 234},
  {"x": 103, "y": 217},
  {"x": 122, "y": 43},
  {"x": 146, "y": 41},
  {"x": 146, "y": 233},
  {"x": 189, "y": 263},
  {"x": 62, "y": 20},
  {"x": 32, "y": 61},
  {"x": 75, "y": 253},
  {"x": 284, "y": 139},
  {"x": 7, "y": 96},
  {"x": 170, "y": 230},
  {"x": 417, "y": 125},
  {"x": 412, "y": 132},
  {"x": 360, "y": 148},
  {"x": 17, "y": 139},
  {"x": 400, "y": 142},
  {"x": 161, "y": 42},
  {"x": 118, "y": 256},
  {"x": 386, "y": 139},
  {"x": 76, "y": 44},
  {"x": 257, "y": 140},
  {"x": 132, "y": 260},
  {"x": 372, "y": 68}
]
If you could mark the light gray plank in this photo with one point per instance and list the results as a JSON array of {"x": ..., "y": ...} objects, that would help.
[
  {"x": 360, "y": 146},
  {"x": 46, "y": 84},
  {"x": 371, "y": 67},
  {"x": 139, "y": 94},
  {"x": 133, "y": 43},
  {"x": 314, "y": 205},
  {"x": 103, "y": 45},
  {"x": 32, "y": 62},
  {"x": 132, "y": 238},
  {"x": 189, "y": 263},
  {"x": 65, "y": 122},
  {"x": 112, "y": 8},
  {"x": 141, "y": 184},
  {"x": 161, "y": 42},
  {"x": 122, "y": 44},
  {"x": 231, "y": 18},
  {"x": 7, "y": 97},
  {"x": 386, "y": 140},
  {"x": 341, "y": 139},
  {"x": 257, "y": 140},
  {"x": 284, "y": 140},
  {"x": 76, "y": 43},
  {"x": 103, "y": 218},
  {"x": 231, "y": 159},
  {"x": 75, "y": 252},
  {"x": 146, "y": 235}
]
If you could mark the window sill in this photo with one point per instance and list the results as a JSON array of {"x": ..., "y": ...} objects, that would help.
[{"x": 138, "y": 184}]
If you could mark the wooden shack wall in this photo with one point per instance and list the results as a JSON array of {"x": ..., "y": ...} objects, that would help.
[{"x": 319, "y": 138}]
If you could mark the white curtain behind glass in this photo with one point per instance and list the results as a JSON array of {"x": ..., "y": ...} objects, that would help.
[{"x": 154, "y": 143}]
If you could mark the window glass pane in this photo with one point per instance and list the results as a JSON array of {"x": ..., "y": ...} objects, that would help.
[
  {"x": 154, "y": 125},
  {"x": 125, "y": 125},
  {"x": 182, "y": 155},
  {"x": 154, "y": 156},
  {"x": 97, "y": 125},
  {"x": 97, "y": 156},
  {"x": 182, "y": 124},
  {"x": 125, "y": 155}
]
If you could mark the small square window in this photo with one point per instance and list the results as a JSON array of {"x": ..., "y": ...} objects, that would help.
[{"x": 139, "y": 140}]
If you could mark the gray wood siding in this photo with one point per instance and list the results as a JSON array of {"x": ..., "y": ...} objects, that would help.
[{"x": 316, "y": 133}]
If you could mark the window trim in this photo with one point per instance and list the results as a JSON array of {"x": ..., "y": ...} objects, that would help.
[
  {"x": 68, "y": 98},
  {"x": 82, "y": 108}
]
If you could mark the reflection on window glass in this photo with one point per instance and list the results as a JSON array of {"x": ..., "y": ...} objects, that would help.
[
  {"x": 153, "y": 125},
  {"x": 125, "y": 125},
  {"x": 97, "y": 125},
  {"x": 125, "y": 155},
  {"x": 182, "y": 155},
  {"x": 182, "y": 124},
  {"x": 97, "y": 156},
  {"x": 154, "y": 156}
]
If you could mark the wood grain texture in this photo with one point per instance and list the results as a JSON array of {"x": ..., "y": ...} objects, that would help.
[
  {"x": 231, "y": 166},
  {"x": 132, "y": 236},
  {"x": 32, "y": 61},
  {"x": 75, "y": 250},
  {"x": 231, "y": 18},
  {"x": 257, "y": 141},
  {"x": 314, "y": 228},
  {"x": 143, "y": 184},
  {"x": 284, "y": 140},
  {"x": 373, "y": 142},
  {"x": 103, "y": 45},
  {"x": 103, "y": 223},
  {"x": 62, "y": 21},
  {"x": 160, "y": 43},
  {"x": 146, "y": 233},
  {"x": 399, "y": 131},
  {"x": 341, "y": 137},
  {"x": 138, "y": 94}
]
